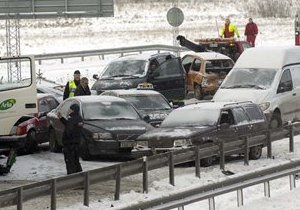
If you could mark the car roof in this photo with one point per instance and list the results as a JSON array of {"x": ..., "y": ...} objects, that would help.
[
  {"x": 43, "y": 95},
  {"x": 97, "y": 98},
  {"x": 132, "y": 92},
  {"x": 210, "y": 56},
  {"x": 214, "y": 105},
  {"x": 142, "y": 56}
]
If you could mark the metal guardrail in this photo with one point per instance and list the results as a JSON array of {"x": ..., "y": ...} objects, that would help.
[
  {"x": 16, "y": 196},
  {"x": 122, "y": 51}
]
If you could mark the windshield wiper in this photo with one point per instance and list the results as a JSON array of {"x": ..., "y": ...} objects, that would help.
[
  {"x": 122, "y": 118},
  {"x": 124, "y": 75}
]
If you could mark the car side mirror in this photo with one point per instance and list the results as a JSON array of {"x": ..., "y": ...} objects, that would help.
[
  {"x": 95, "y": 76},
  {"x": 146, "y": 118}
]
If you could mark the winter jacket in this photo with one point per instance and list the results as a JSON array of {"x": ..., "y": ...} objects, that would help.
[
  {"x": 251, "y": 29},
  {"x": 73, "y": 127},
  {"x": 70, "y": 88},
  {"x": 228, "y": 31},
  {"x": 81, "y": 91}
]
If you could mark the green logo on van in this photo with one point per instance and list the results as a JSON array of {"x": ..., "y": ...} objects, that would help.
[{"x": 7, "y": 104}]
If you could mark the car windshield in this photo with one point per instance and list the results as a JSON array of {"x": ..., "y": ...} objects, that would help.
[
  {"x": 109, "y": 111},
  {"x": 250, "y": 78},
  {"x": 156, "y": 102},
  {"x": 125, "y": 68},
  {"x": 191, "y": 117}
]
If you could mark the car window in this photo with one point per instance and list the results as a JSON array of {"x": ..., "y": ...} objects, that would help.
[
  {"x": 154, "y": 102},
  {"x": 124, "y": 68},
  {"x": 254, "y": 113},
  {"x": 170, "y": 67},
  {"x": 64, "y": 109},
  {"x": 296, "y": 76},
  {"x": 285, "y": 83},
  {"x": 196, "y": 65},
  {"x": 240, "y": 116},
  {"x": 187, "y": 62},
  {"x": 52, "y": 103},
  {"x": 226, "y": 117}
]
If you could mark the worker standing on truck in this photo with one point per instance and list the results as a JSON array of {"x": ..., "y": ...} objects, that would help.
[
  {"x": 251, "y": 31},
  {"x": 72, "y": 85},
  {"x": 228, "y": 30}
]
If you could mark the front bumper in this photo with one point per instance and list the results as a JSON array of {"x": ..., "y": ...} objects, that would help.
[{"x": 12, "y": 141}]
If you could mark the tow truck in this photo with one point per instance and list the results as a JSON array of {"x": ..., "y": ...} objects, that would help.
[{"x": 231, "y": 47}]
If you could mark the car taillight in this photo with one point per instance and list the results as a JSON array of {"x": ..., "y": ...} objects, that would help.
[{"x": 20, "y": 130}]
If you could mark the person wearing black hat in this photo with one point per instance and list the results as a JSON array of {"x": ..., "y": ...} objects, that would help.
[
  {"x": 71, "y": 139},
  {"x": 72, "y": 85},
  {"x": 83, "y": 88}
]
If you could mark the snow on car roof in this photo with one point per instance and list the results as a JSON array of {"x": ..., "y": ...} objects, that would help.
[
  {"x": 207, "y": 105},
  {"x": 211, "y": 55},
  {"x": 268, "y": 57},
  {"x": 142, "y": 56},
  {"x": 97, "y": 98},
  {"x": 132, "y": 92}
]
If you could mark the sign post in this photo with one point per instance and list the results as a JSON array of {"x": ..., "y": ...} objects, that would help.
[{"x": 175, "y": 18}]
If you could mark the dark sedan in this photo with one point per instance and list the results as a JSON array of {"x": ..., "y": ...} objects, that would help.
[
  {"x": 147, "y": 102},
  {"x": 111, "y": 126},
  {"x": 206, "y": 123}
]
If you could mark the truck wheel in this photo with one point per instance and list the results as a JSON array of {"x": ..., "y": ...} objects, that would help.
[
  {"x": 198, "y": 92},
  {"x": 255, "y": 152},
  {"x": 84, "y": 150},
  {"x": 54, "y": 147},
  {"x": 275, "y": 121}
]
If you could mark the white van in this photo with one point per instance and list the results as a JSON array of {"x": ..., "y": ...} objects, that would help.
[{"x": 270, "y": 77}]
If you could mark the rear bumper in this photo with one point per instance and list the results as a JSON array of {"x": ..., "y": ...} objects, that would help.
[{"x": 12, "y": 141}]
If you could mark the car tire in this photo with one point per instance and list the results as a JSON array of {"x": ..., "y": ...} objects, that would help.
[
  {"x": 255, "y": 152},
  {"x": 31, "y": 144},
  {"x": 207, "y": 161},
  {"x": 275, "y": 121},
  {"x": 54, "y": 147},
  {"x": 84, "y": 150},
  {"x": 198, "y": 93}
]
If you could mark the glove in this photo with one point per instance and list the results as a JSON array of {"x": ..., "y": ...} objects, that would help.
[{"x": 181, "y": 39}]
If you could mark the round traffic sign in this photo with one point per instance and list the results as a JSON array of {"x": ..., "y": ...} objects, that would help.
[{"x": 175, "y": 17}]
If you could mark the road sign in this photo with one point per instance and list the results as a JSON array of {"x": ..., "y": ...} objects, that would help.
[{"x": 175, "y": 17}]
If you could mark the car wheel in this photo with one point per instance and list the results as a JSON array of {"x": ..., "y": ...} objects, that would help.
[
  {"x": 31, "y": 144},
  {"x": 275, "y": 121},
  {"x": 255, "y": 152},
  {"x": 207, "y": 161},
  {"x": 54, "y": 147},
  {"x": 198, "y": 94},
  {"x": 84, "y": 150}
]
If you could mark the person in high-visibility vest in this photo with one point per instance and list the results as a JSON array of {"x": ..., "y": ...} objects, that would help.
[
  {"x": 228, "y": 30},
  {"x": 72, "y": 85}
]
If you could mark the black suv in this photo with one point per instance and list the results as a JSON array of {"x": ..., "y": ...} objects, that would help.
[
  {"x": 209, "y": 122},
  {"x": 163, "y": 70}
]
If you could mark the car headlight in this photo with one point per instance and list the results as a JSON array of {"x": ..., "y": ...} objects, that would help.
[
  {"x": 264, "y": 106},
  {"x": 98, "y": 136},
  {"x": 182, "y": 142}
]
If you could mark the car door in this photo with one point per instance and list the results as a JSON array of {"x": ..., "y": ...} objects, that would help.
[
  {"x": 169, "y": 79},
  {"x": 41, "y": 124},
  {"x": 242, "y": 122},
  {"x": 296, "y": 82},
  {"x": 227, "y": 127}
]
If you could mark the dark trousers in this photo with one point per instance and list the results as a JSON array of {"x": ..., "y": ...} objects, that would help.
[{"x": 71, "y": 154}]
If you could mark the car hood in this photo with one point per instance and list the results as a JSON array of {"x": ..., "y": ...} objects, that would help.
[
  {"x": 118, "y": 126},
  {"x": 240, "y": 94},
  {"x": 117, "y": 83},
  {"x": 174, "y": 133}
]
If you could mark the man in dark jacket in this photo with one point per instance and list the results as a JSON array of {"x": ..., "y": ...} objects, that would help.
[
  {"x": 83, "y": 89},
  {"x": 251, "y": 31},
  {"x": 72, "y": 85},
  {"x": 71, "y": 139}
]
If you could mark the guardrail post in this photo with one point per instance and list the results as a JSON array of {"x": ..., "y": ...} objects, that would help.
[
  {"x": 118, "y": 182},
  {"x": 269, "y": 144},
  {"x": 211, "y": 203},
  {"x": 145, "y": 174},
  {"x": 291, "y": 137},
  {"x": 86, "y": 199},
  {"x": 171, "y": 168},
  {"x": 53, "y": 194},
  {"x": 222, "y": 155},
  {"x": 20, "y": 198},
  {"x": 240, "y": 198},
  {"x": 181, "y": 208},
  {"x": 246, "y": 152},
  {"x": 292, "y": 181},
  {"x": 197, "y": 162},
  {"x": 267, "y": 189},
  {"x": 61, "y": 60}
]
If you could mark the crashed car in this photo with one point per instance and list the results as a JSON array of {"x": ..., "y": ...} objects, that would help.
[
  {"x": 205, "y": 124},
  {"x": 111, "y": 126},
  {"x": 163, "y": 70},
  {"x": 147, "y": 102}
]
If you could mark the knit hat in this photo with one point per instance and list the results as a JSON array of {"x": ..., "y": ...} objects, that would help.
[
  {"x": 77, "y": 72},
  {"x": 75, "y": 108}
]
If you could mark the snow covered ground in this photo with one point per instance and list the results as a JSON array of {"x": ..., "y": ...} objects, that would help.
[{"x": 132, "y": 26}]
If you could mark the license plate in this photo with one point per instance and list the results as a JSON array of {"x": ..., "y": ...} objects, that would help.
[
  {"x": 213, "y": 45},
  {"x": 127, "y": 144}
]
